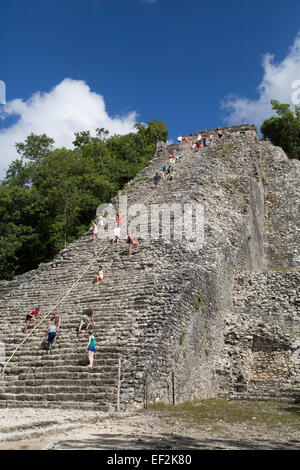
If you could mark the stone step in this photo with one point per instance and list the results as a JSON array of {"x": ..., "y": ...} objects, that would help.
[
  {"x": 101, "y": 397},
  {"x": 40, "y": 389},
  {"x": 58, "y": 367},
  {"x": 34, "y": 374},
  {"x": 72, "y": 405},
  {"x": 54, "y": 380}
]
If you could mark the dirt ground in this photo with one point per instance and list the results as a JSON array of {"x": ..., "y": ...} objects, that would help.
[{"x": 209, "y": 425}]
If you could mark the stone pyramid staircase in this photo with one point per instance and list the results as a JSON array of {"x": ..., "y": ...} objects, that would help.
[
  {"x": 125, "y": 304},
  {"x": 167, "y": 311}
]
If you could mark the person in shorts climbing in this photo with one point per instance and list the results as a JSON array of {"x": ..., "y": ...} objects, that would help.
[
  {"x": 169, "y": 169},
  {"x": 119, "y": 219},
  {"x": 87, "y": 318},
  {"x": 156, "y": 180},
  {"x": 95, "y": 230},
  {"x": 32, "y": 315},
  {"x": 172, "y": 174},
  {"x": 131, "y": 242}
]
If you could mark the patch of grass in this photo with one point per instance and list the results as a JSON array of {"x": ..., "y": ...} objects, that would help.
[
  {"x": 263, "y": 178},
  {"x": 181, "y": 337},
  {"x": 126, "y": 190},
  {"x": 231, "y": 180},
  {"x": 221, "y": 410},
  {"x": 199, "y": 303},
  {"x": 285, "y": 269}
]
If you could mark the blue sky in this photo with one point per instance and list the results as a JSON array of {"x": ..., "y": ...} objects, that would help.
[{"x": 74, "y": 65}]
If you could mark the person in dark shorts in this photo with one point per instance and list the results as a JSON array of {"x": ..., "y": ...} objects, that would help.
[
  {"x": 32, "y": 315},
  {"x": 156, "y": 180},
  {"x": 131, "y": 242},
  {"x": 87, "y": 318}
]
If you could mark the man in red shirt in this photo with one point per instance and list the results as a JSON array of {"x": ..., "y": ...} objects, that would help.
[{"x": 32, "y": 316}]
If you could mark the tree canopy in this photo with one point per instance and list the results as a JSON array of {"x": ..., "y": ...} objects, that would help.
[
  {"x": 283, "y": 130},
  {"x": 50, "y": 195}
]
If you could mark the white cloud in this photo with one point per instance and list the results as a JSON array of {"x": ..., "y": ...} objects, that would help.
[
  {"x": 276, "y": 84},
  {"x": 69, "y": 107}
]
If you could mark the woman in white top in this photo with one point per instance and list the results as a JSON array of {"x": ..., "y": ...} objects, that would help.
[
  {"x": 101, "y": 273},
  {"x": 95, "y": 230}
]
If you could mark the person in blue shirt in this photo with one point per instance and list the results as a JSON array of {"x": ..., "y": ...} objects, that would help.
[{"x": 91, "y": 348}]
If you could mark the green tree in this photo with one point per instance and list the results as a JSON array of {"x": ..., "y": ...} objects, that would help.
[
  {"x": 49, "y": 196},
  {"x": 35, "y": 146},
  {"x": 284, "y": 131}
]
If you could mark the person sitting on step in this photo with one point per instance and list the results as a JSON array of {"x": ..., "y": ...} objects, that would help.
[{"x": 101, "y": 274}]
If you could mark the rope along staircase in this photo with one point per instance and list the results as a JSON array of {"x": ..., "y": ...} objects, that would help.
[{"x": 35, "y": 378}]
